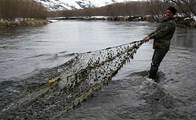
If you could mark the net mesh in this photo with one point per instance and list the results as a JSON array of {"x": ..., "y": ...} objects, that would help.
[
  {"x": 97, "y": 66},
  {"x": 81, "y": 76}
]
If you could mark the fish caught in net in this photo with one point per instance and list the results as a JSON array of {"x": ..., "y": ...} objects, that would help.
[{"x": 82, "y": 75}]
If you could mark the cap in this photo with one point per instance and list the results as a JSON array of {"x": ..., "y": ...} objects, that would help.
[{"x": 172, "y": 9}]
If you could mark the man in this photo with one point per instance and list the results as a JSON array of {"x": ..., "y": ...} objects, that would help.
[{"x": 162, "y": 37}]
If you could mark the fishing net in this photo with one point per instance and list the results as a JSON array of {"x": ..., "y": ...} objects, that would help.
[
  {"x": 97, "y": 66},
  {"x": 80, "y": 77}
]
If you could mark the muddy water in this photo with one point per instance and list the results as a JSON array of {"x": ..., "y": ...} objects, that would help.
[{"x": 30, "y": 56}]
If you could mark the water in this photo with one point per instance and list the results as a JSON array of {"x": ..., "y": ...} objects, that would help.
[
  {"x": 25, "y": 52},
  {"x": 185, "y": 38}
]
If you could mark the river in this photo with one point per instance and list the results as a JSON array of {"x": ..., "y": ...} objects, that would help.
[{"x": 28, "y": 51}]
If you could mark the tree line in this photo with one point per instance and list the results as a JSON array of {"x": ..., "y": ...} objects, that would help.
[
  {"x": 186, "y": 8},
  {"x": 11, "y": 9}
]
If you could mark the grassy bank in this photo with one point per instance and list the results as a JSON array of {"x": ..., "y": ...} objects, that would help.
[
  {"x": 108, "y": 18},
  {"x": 29, "y": 22}
]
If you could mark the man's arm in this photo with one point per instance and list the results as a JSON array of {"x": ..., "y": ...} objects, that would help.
[
  {"x": 159, "y": 33},
  {"x": 163, "y": 31}
]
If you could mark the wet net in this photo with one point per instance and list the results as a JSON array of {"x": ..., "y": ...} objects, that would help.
[
  {"x": 95, "y": 67},
  {"x": 80, "y": 77}
]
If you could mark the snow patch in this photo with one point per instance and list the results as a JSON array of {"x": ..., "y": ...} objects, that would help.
[{"x": 54, "y": 5}]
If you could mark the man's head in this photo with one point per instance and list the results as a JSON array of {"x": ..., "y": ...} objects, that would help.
[{"x": 170, "y": 12}]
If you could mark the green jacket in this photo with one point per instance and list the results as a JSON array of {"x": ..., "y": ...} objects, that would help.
[{"x": 163, "y": 34}]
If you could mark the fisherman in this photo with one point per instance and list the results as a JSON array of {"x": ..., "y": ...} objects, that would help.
[{"x": 162, "y": 37}]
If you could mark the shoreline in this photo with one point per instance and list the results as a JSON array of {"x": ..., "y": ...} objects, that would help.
[
  {"x": 181, "y": 21},
  {"x": 29, "y": 22}
]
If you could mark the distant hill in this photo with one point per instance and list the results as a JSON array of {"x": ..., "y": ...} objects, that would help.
[{"x": 55, "y": 5}]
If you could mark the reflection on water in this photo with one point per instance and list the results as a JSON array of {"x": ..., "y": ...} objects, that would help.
[{"x": 28, "y": 50}]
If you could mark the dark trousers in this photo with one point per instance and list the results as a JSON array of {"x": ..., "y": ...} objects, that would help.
[{"x": 158, "y": 56}]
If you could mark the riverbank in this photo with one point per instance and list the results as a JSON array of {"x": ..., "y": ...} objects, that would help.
[
  {"x": 181, "y": 21},
  {"x": 108, "y": 18},
  {"x": 28, "y": 22},
  {"x": 185, "y": 22}
]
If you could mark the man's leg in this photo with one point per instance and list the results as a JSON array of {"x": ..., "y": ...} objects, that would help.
[{"x": 158, "y": 56}]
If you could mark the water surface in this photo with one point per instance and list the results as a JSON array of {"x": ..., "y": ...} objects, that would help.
[
  {"x": 29, "y": 54},
  {"x": 24, "y": 51}
]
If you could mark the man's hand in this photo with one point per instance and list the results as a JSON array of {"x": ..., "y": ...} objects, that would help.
[{"x": 146, "y": 39}]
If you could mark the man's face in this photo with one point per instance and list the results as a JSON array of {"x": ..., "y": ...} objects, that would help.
[{"x": 168, "y": 14}]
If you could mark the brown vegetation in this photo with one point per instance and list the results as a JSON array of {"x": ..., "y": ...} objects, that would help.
[
  {"x": 187, "y": 7},
  {"x": 134, "y": 8},
  {"x": 11, "y": 9}
]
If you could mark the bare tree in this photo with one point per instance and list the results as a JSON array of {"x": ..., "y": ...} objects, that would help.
[{"x": 187, "y": 7}]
